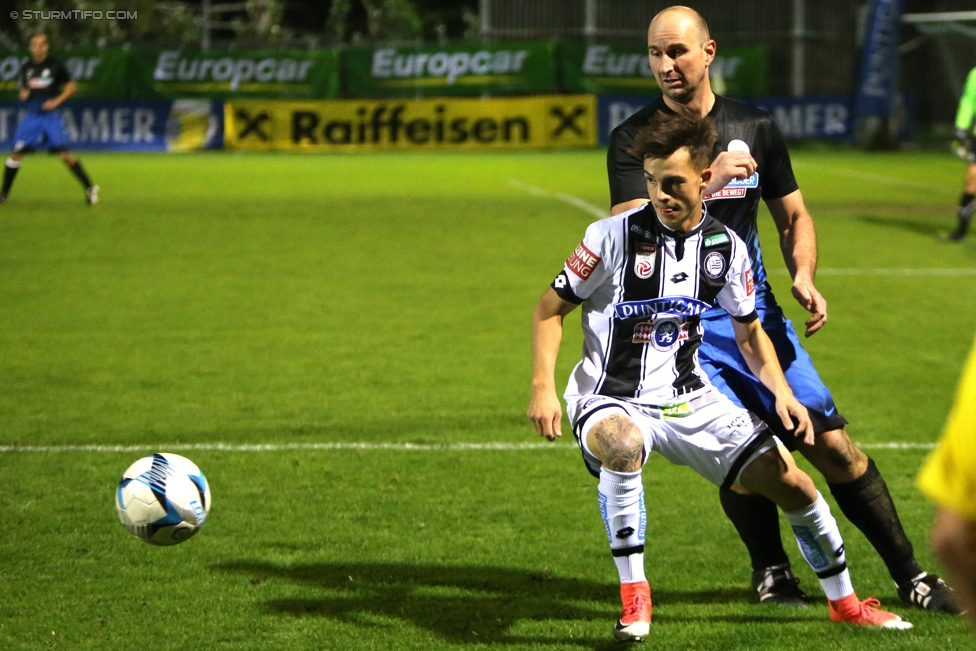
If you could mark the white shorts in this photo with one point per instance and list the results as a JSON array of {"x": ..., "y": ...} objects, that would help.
[{"x": 707, "y": 432}]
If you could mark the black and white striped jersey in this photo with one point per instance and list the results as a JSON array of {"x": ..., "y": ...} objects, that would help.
[{"x": 643, "y": 288}]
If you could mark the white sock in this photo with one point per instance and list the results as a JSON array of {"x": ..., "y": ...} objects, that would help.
[
  {"x": 822, "y": 546},
  {"x": 621, "y": 497},
  {"x": 13, "y": 164}
]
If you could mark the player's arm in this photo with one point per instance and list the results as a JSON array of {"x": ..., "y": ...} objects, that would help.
[
  {"x": 545, "y": 410},
  {"x": 798, "y": 241},
  {"x": 55, "y": 102},
  {"x": 966, "y": 110},
  {"x": 758, "y": 351}
]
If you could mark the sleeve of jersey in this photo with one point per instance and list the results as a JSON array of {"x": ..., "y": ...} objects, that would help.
[
  {"x": 738, "y": 297},
  {"x": 63, "y": 76},
  {"x": 587, "y": 267},
  {"x": 625, "y": 172},
  {"x": 778, "y": 179},
  {"x": 967, "y": 105},
  {"x": 948, "y": 476}
]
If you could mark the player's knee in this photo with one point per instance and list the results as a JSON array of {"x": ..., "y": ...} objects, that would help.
[
  {"x": 846, "y": 461},
  {"x": 618, "y": 443}
]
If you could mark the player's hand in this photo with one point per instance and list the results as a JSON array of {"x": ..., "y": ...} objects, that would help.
[
  {"x": 546, "y": 414},
  {"x": 795, "y": 418},
  {"x": 50, "y": 105},
  {"x": 811, "y": 300},
  {"x": 730, "y": 165}
]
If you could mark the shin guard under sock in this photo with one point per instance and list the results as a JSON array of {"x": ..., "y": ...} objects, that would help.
[{"x": 867, "y": 503}]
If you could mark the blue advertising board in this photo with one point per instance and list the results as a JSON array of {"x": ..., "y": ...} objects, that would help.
[
  {"x": 129, "y": 125},
  {"x": 816, "y": 116}
]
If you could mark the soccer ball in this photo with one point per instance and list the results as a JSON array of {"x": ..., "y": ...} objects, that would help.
[{"x": 163, "y": 499}]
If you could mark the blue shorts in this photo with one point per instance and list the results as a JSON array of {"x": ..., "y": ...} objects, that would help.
[
  {"x": 720, "y": 357},
  {"x": 40, "y": 131}
]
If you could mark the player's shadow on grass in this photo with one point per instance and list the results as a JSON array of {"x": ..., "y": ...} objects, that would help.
[
  {"x": 924, "y": 226},
  {"x": 461, "y": 603}
]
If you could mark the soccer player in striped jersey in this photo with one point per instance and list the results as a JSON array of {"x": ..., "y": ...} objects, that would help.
[
  {"x": 644, "y": 278},
  {"x": 750, "y": 162},
  {"x": 44, "y": 85}
]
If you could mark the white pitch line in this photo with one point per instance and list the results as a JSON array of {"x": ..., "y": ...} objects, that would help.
[
  {"x": 952, "y": 271},
  {"x": 399, "y": 447},
  {"x": 585, "y": 206},
  {"x": 278, "y": 447}
]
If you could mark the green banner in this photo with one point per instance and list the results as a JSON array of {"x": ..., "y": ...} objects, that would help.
[
  {"x": 242, "y": 73},
  {"x": 449, "y": 70},
  {"x": 98, "y": 74},
  {"x": 616, "y": 70}
]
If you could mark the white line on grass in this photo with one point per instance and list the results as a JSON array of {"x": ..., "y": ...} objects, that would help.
[
  {"x": 399, "y": 447},
  {"x": 956, "y": 271},
  {"x": 585, "y": 206}
]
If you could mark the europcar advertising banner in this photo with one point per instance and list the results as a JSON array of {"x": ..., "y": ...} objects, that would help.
[
  {"x": 618, "y": 70},
  {"x": 129, "y": 125},
  {"x": 434, "y": 70},
  {"x": 242, "y": 73},
  {"x": 363, "y": 125},
  {"x": 102, "y": 74}
]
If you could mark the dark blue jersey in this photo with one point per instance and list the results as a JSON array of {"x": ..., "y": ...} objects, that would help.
[
  {"x": 737, "y": 204},
  {"x": 45, "y": 80}
]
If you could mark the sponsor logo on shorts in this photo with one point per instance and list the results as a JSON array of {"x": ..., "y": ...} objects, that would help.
[
  {"x": 714, "y": 264},
  {"x": 583, "y": 261},
  {"x": 644, "y": 260},
  {"x": 676, "y": 411}
]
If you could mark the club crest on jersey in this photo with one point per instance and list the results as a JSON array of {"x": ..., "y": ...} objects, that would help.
[
  {"x": 714, "y": 265},
  {"x": 663, "y": 334},
  {"x": 583, "y": 261},
  {"x": 735, "y": 189},
  {"x": 644, "y": 260}
]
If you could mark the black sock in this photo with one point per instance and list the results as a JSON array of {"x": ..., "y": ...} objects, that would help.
[
  {"x": 867, "y": 504},
  {"x": 757, "y": 521},
  {"x": 80, "y": 173},
  {"x": 965, "y": 213},
  {"x": 8, "y": 176}
]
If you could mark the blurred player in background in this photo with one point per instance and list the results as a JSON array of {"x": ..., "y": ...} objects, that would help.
[
  {"x": 966, "y": 148},
  {"x": 643, "y": 279},
  {"x": 949, "y": 478},
  {"x": 750, "y": 153},
  {"x": 44, "y": 86}
]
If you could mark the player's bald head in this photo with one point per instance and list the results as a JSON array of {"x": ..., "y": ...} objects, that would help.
[{"x": 677, "y": 17}]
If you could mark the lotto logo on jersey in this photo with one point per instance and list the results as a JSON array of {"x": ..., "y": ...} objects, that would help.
[
  {"x": 644, "y": 260},
  {"x": 750, "y": 285},
  {"x": 583, "y": 261}
]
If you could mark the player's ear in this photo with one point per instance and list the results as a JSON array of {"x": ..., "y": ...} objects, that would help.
[
  {"x": 706, "y": 176},
  {"x": 709, "y": 48}
]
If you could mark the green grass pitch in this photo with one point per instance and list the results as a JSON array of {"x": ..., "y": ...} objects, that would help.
[{"x": 279, "y": 299}]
